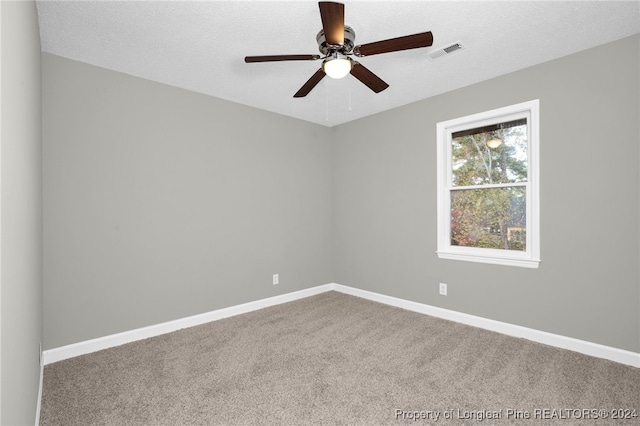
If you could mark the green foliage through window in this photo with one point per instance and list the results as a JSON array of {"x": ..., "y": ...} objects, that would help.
[{"x": 488, "y": 196}]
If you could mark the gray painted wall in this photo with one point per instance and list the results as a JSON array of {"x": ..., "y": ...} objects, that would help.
[
  {"x": 161, "y": 203},
  {"x": 587, "y": 286},
  {"x": 21, "y": 213}
]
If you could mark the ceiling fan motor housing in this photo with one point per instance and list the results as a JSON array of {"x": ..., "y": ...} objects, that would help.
[{"x": 326, "y": 48}]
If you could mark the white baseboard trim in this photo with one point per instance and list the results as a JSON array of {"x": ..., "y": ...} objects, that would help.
[
  {"x": 93, "y": 345},
  {"x": 569, "y": 343},
  {"x": 588, "y": 348}
]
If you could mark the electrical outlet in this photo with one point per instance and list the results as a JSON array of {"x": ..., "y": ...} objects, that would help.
[
  {"x": 276, "y": 279},
  {"x": 443, "y": 289}
]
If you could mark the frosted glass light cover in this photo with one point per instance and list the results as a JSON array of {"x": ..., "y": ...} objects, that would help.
[{"x": 337, "y": 68}]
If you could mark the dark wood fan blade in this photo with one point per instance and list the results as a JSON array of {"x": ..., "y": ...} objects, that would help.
[
  {"x": 332, "y": 15},
  {"x": 310, "y": 84},
  {"x": 273, "y": 58},
  {"x": 395, "y": 44},
  {"x": 369, "y": 79}
]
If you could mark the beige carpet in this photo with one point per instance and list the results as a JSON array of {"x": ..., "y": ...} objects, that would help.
[{"x": 335, "y": 359}]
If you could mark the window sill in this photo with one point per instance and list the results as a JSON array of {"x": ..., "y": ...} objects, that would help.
[{"x": 506, "y": 261}]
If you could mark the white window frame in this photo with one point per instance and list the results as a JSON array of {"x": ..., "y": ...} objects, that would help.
[{"x": 527, "y": 259}]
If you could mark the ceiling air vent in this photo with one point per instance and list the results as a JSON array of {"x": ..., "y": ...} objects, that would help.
[{"x": 447, "y": 50}]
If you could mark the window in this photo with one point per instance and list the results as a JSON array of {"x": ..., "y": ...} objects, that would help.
[{"x": 488, "y": 197}]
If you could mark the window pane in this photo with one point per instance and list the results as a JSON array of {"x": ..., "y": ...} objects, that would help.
[
  {"x": 489, "y": 218},
  {"x": 490, "y": 155}
]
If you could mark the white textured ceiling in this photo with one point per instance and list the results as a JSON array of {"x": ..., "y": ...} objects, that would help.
[{"x": 200, "y": 46}]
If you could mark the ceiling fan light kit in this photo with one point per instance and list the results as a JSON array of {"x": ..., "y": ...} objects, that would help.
[
  {"x": 336, "y": 42},
  {"x": 494, "y": 143},
  {"x": 337, "y": 65}
]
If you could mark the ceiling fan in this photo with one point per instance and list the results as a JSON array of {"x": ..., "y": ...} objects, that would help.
[{"x": 336, "y": 43}]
